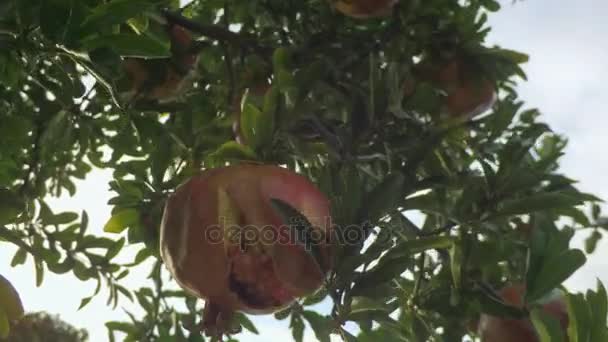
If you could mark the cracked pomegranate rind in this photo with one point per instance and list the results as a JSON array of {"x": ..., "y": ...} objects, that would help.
[{"x": 222, "y": 240}]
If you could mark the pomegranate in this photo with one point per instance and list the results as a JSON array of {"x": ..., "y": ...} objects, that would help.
[
  {"x": 163, "y": 79},
  {"x": 468, "y": 93},
  {"x": 362, "y": 9},
  {"x": 223, "y": 241},
  {"x": 497, "y": 329},
  {"x": 471, "y": 98}
]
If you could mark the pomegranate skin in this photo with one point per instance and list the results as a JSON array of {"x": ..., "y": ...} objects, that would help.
[
  {"x": 497, "y": 329},
  {"x": 258, "y": 276}
]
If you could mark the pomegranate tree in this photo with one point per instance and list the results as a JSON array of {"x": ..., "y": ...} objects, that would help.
[{"x": 224, "y": 241}]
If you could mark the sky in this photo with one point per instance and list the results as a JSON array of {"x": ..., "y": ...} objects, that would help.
[{"x": 567, "y": 75}]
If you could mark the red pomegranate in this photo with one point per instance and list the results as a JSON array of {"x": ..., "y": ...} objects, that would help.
[
  {"x": 163, "y": 79},
  {"x": 469, "y": 93},
  {"x": 223, "y": 241},
  {"x": 497, "y": 329},
  {"x": 471, "y": 98}
]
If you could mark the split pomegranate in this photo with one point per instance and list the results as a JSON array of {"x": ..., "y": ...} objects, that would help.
[
  {"x": 362, "y": 9},
  {"x": 223, "y": 241},
  {"x": 497, "y": 329}
]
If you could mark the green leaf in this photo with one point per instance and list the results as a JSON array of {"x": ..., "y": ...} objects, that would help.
[
  {"x": 385, "y": 271},
  {"x": 598, "y": 305},
  {"x": 107, "y": 65},
  {"x": 428, "y": 203},
  {"x": 115, "y": 249},
  {"x": 19, "y": 258},
  {"x": 547, "y": 326},
  {"x": 579, "y": 318},
  {"x": 55, "y": 131},
  {"x": 415, "y": 246},
  {"x": 368, "y": 314},
  {"x": 282, "y": 57},
  {"x": 591, "y": 241},
  {"x": 456, "y": 264},
  {"x": 246, "y": 323},
  {"x": 115, "y": 12},
  {"x": 232, "y": 151},
  {"x": 297, "y": 328},
  {"x": 122, "y": 220},
  {"x": 256, "y": 126},
  {"x": 538, "y": 202},
  {"x": 321, "y": 325},
  {"x": 491, "y": 5},
  {"x": 61, "y": 267},
  {"x": 81, "y": 271},
  {"x": 554, "y": 272},
  {"x": 348, "y": 337},
  {"x": 84, "y": 302},
  {"x": 84, "y": 224},
  {"x": 11, "y": 206},
  {"x": 512, "y": 55},
  {"x": 130, "y": 45},
  {"x": 39, "y": 267},
  {"x": 307, "y": 77},
  {"x": 11, "y": 69},
  {"x": 62, "y": 218},
  {"x": 385, "y": 197},
  {"x": 382, "y": 333},
  {"x": 140, "y": 257},
  {"x": 91, "y": 241},
  {"x": 127, "y": 328},
  {"x": 55, "y": 18}
]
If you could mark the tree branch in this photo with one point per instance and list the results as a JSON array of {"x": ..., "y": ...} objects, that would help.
[{"x": 215, "y": 32}]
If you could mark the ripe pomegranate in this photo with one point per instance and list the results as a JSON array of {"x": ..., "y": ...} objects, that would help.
[
  {"x": 362, "y": 9},
  {"x": 497, "y": 329},
  {"x": 471, "y": 98},
  {"x": 163, "y": 79},
  {"x": 468, "y": 93},
  {"x": 222, "y": 240}
]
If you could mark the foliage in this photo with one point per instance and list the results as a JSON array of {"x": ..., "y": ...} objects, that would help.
[
  {"x": 40, "y": 326},
  {"x": 450, "y": 209}
]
